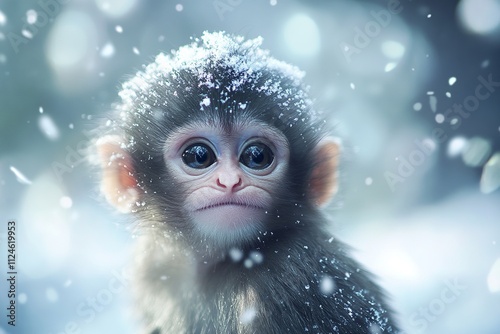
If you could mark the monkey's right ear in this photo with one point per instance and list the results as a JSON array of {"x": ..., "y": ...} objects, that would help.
[{"x": 118, "y": 183}]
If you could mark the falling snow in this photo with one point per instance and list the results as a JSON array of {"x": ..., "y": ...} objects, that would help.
[
  {"x": 490, "y": 178},
  {"x": 248, "y": 263},
  {"x": 27, "y": 33},
  {"x": 327, "y": 285},
  {"x": 3, "y": 18},
  {"x": 20, "y": 176},
  {"x": 235, "y": 254},
  {"x": 433, "y": 103},
  {"x": 48, "y": 127},
  {"x": 375, "y": 329},
  {"x": 119, "y": 29},
  {"x": 108, "y": 50},
  {"x": 417, "y": 106},
  {"x": 390, "y": 66},
  {"x": 456, "y": 146},
  {"x": 31, "y": 16},
  {"x": 439, "y": 118},
  {"x": 256, "y": 257},
  {"x": 452, "y": 80},
  {"x": 248, "y": 315}
]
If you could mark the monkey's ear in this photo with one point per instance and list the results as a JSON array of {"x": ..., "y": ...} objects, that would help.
[
  {"x": 323, "y": 183},
  {"x": 118, "y": 184}
]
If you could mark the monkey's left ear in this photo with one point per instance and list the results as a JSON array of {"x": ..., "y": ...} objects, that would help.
[{"x": 323, "y": 183}]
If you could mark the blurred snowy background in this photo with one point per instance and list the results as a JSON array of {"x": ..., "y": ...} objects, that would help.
[{"x": 413, "y": 85}]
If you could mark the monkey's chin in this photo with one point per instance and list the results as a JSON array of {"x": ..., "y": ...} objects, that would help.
[{"x": 229, "y": 221}]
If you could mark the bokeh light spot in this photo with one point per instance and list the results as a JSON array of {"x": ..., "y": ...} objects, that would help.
[
  {"x": 439, "y": 118},
  {"x": 494, "y": 277},
  {"x": 476, "y": 152},
  {"x": 479, "y": 16},
  {"x": 393, "y": 49},
  {"x": 70, "y": 40},
  {"x": 302, "y": 35},
  {"x": 116, "y": 8},
  {"x": 456, "y": 146}
]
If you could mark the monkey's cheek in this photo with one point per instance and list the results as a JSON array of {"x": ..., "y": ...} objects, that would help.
[{"x": 228, "y": 218}]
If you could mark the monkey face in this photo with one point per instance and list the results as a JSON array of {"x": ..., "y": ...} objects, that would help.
[{"x": 229, "y": 175}]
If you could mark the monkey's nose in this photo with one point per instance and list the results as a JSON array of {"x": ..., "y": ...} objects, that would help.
[{"x": 230, "y": 181}]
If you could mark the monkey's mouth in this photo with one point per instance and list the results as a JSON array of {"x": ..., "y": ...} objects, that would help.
[
  {"x": 228, "y": 214},
  {"x": 229, "y": 204},
  {"x": 227, "y": 217}
]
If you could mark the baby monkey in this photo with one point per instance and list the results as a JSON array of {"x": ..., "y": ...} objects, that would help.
[{"x": 218, "y": 155}]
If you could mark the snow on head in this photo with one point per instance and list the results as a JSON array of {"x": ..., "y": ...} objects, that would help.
[
  {"x": 243, "y": 59},
  {"x": 221, "y": 48}
]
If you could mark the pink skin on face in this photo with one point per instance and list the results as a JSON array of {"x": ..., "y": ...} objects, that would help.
[{"x": 227, "y": 196}]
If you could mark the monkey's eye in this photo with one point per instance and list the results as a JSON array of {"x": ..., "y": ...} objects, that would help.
[
  {"x": 257, "y": 156},
  {"x": 198, "y": 156}
]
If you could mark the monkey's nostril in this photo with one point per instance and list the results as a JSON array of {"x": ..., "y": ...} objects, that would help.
[
  {"x": 238, "y": 184},
  {"x": 220, "y": 183}
]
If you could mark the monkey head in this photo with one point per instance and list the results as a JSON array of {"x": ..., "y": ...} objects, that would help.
[{"x": 218, "y": 143}]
